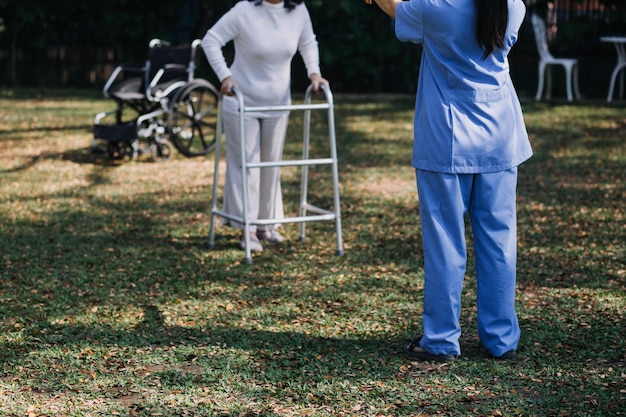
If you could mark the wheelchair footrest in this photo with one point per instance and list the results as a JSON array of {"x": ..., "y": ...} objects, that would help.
[{"x": 125, "y": 132}]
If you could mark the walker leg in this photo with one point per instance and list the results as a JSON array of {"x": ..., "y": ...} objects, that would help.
[
  {"x": 211, "y": 238},
  {"x": 216, "y": 170},
  {"x": 335, "y": 174},
  {"x": 304, "y": 181}
]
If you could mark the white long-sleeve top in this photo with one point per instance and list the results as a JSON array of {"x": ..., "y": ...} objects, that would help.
[{"x": 266, "y": 38}]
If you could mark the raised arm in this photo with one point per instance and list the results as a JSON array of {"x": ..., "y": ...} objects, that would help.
[{"x": 387, "y": 6}]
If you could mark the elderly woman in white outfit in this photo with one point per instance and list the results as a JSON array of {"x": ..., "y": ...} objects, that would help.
[{"x": 266, "y": 36}]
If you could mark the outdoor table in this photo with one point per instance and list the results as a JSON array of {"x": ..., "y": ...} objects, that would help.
[{"x": 620, "y": 46}]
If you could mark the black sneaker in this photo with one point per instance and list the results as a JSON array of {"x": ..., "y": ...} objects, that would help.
[{"x": 506, "y": 356}]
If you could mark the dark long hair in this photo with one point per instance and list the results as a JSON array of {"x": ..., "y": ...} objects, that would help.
[
  {"x": 491, "y": 20},
  {"x": 289, "y": 4}
]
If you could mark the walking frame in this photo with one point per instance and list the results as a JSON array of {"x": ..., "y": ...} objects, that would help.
[{"x": 319, "y": 214}]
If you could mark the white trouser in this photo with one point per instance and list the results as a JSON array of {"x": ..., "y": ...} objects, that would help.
[{"x": 264, "y": 140}]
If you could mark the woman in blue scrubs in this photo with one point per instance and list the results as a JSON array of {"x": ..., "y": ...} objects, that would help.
[{"x": 469, "y": 139}]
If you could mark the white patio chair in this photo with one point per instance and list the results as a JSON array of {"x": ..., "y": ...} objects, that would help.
[{"x": 547, "y": 61}]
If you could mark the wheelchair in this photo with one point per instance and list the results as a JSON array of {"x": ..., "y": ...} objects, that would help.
[{"x": 157, "y": 105}]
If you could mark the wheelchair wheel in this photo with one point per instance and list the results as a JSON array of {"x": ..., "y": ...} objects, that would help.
[{"x": 193, "y": 118}]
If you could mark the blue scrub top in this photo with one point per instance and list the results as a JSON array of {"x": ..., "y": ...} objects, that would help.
[{"x": 468, "y": 118}]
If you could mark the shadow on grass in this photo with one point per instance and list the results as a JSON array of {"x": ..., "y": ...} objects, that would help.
[{"x": 87, "y": 270}]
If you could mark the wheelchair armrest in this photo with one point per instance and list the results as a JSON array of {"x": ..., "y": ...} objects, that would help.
[
  {"x": 120, "y": 72},
  {"x": 169, "y": 85},
  {"x": 167, "y": 69},
  {"x": 133, "y": 67},
  {"x": 175, "y": 67}
]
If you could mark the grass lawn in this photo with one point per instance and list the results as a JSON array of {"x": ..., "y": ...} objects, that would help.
[{"x": 112, "y": 304}]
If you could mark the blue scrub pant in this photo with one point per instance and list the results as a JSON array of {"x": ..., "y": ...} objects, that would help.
[{"x": 489, "y": 199}]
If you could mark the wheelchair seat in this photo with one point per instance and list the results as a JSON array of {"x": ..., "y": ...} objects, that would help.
[{"x": 125, "y": 90}]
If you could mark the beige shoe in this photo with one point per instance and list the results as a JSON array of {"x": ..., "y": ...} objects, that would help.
[
  {"x": 255, "y": 245},
  {"x": 271, "y": 236}
]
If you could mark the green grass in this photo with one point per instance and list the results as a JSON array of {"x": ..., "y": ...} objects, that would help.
[{"x": 111, "y": 303}]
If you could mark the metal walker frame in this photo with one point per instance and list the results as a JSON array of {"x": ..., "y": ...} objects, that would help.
[{"x": 320, "y": 214}]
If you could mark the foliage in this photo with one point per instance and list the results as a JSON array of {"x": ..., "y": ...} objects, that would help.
[
  {"x": 359, "y": 49},
  {"x": 111, "y": 303},
  {"x": 41, "y": 22},
  {"x": 73, "y": 43},
  {"x": 618, "y": 14}
]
